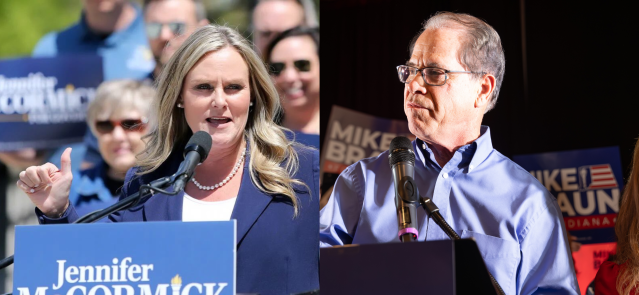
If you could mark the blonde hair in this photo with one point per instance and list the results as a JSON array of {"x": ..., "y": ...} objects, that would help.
[
  {"x": 627, "y": 231},
  {"x": 117, "y": 96},
  {"x": 268, "y": 145}
]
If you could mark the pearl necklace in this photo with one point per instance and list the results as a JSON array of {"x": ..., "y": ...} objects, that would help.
[{"x": 223, "y": 182}]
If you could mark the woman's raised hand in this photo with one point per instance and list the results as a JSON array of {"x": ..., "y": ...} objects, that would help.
[{"x": 47, "y": 187}]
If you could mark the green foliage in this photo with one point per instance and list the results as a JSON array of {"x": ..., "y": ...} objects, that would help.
[{"x": 24, "y": 22}]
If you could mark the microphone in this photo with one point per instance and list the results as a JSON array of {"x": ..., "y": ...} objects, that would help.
[
  {"x": 195, "y": 152},
  {"x": 402, "y": 161}
]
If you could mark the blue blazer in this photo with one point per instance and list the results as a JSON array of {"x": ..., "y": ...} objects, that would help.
[{"x": 276, "y": 252}]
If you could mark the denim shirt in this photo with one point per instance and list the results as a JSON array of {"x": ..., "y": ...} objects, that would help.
[
  {"x": 482, "y": 194},
  {"x": 88, "y": 191}
]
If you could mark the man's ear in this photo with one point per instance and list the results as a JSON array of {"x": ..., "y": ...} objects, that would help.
[{"x": 487, "y": 86}]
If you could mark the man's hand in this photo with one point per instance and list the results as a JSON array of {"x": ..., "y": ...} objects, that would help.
[{"x": 47, "y": 187}]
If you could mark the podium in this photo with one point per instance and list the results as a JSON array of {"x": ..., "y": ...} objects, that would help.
[
  {"x": 439, "y": 267},
  {"x": 163, "y": 257}
]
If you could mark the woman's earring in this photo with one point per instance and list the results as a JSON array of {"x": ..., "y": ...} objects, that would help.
[
  {"x": 251, "y": 104},
  {"x": 179, "y": 105}
]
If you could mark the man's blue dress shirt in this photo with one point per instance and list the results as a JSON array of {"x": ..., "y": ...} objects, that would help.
[{"x": 482, "y": 194}]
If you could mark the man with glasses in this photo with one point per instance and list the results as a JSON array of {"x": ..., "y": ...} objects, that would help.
[
  {"x": 168, "y": 24},
  {"x": 451, "y": 80}
]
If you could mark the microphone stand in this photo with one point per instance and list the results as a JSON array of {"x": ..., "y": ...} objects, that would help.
[
  {"x": 433, "y": 212},
  {"x": 145, "y": 190}
]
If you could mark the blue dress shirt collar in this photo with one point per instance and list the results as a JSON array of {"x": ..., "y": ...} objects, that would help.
[{"x": 474, "y": 153}]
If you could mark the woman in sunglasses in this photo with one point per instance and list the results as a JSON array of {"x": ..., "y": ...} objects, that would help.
[
  {"x": 293, "y": 57},
  {"x": 216, "y": 83},
  {"x": 117, "y": 117}
]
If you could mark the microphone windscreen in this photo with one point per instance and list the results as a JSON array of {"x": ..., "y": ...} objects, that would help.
[
  {"x": 401, "y": 150},
  {"x": 200, "y": 142}
]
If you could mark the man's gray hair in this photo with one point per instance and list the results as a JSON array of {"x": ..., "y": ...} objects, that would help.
[
  {"x": 481, "y": 51},
  {"x": 200, "y": 10}
]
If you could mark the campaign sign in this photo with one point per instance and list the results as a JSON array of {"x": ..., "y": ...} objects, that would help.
[
  {"x": 352, "y": 136},
  {"x": 587, "y": 185},
  {"x": 43, "y": 101},
  {"x": 137, "y": 258}
]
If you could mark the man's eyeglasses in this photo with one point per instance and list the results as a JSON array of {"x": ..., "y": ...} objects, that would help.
[
  {"x": 432, "y": 76},
  {"x": 129, "y": 125},
  {"x": 153, "y": 30},
  {"x": 301, "y": 65}
]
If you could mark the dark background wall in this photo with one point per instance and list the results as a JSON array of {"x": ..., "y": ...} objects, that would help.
[{"x": 570, "y": 70}]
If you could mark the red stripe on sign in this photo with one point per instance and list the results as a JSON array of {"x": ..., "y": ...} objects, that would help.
[
  {"x": 599, "y": 166},
  {"x": 601, "y": 173},
  {"x": 332, "y": 167},
  {"x": 603, "y": 186},
  {"x": 590, "y": 222}
]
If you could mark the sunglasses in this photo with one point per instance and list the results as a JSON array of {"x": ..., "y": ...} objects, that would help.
[
  {"x": 153, "y": 29},
  {"x": 129, "y": 125},
  {"x": 302, "y": 65}
]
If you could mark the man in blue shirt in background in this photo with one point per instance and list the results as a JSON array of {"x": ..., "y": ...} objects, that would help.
[
  {"x": 451, "y": 80},
  {"x": 112, "y": 29}
]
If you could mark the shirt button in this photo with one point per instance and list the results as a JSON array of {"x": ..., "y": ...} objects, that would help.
[
  {"x": 471, "y": 167},
  {"x": 445, "y": 175}
]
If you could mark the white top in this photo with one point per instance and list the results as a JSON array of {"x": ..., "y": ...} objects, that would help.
[{"x": 196, "y": 210}]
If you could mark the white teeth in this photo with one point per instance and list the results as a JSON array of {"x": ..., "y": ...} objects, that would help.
[{"x": 293, "y": 90}]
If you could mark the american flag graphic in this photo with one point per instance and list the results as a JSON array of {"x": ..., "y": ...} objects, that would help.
[{"x": 601, "y": 176}]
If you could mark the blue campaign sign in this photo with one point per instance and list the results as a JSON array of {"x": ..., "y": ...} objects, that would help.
[
  {"x": 146, "y": 258},
  {"x": 587, "y": 184},
  {"x": 43, "y": 101}
]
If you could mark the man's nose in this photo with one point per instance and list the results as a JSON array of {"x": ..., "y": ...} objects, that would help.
[
  {"x": 165, "y": 33},
  {"x": 417, "y": 85}
]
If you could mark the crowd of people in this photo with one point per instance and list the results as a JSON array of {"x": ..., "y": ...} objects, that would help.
[{"x": 143, "y": 49}]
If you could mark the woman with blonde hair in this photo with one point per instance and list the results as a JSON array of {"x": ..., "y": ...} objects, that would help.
[
  {"x": 216, "y": 83},
  {"x": 620, "y": 275}
]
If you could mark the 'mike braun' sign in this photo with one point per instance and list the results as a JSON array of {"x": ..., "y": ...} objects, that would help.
[{"x": 146, "y": 258}]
